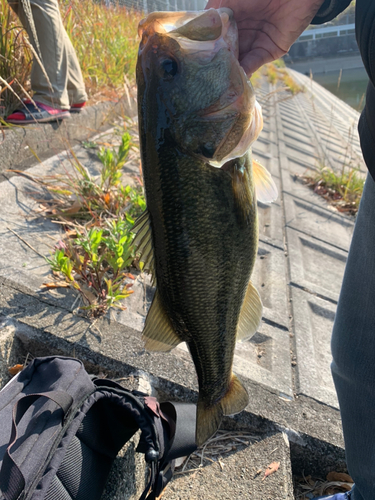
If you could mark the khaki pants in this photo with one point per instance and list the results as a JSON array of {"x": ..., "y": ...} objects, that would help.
[{"x": 59, "y": 58}]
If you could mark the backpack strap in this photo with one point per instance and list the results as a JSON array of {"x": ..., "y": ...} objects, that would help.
[
  {"x": 11, "y": 478},
  {"x": 175, "y": 424}
]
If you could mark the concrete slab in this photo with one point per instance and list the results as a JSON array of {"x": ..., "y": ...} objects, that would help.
[
  {"x": 237, "y": 475},
  {"x": 269, "y": 277},
  {"x": 314, "y": 220},
  {"x": 315, "y": 265},
  {"x": 312, "y": 324},
  {"x": 265, "y": 359}
]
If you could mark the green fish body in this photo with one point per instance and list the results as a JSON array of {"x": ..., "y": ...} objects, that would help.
[{"x": 199, "y": 234}]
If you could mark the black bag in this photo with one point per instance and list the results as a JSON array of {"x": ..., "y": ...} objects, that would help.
[{"x": 60, "y": 431}]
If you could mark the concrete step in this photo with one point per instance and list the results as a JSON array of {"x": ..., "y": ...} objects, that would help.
[{"x": 239, "y": 475}]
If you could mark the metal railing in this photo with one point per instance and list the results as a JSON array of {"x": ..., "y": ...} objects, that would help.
[
  {"x": 326, "y": 32},
  {"x": 151, "y": 5}
]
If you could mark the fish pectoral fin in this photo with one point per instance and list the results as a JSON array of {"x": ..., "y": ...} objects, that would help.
[
  {"x": 143, "y": 242},
  {"x": 265, "y": 186},
  {"x": 250, "y": 315},
  {"x": 209, "y": 417},
  {"x": 158, "y": 333}
]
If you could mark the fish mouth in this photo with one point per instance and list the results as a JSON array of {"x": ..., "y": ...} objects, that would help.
[
  {"x": 201, "y": 36},
  {"x": 207, "y": 27}
]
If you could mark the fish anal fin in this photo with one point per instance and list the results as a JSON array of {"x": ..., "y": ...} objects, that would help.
[
  {"x": 265, "y": 186},
  {"x": 236, "y": 399},
  {"x": 250, "y": 315},
  {"x": 158, "y": 333},
  {"x": 209, "y": 417}
]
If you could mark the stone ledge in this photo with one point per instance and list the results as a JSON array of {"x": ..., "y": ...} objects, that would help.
[{"x": 20, "y": 144}]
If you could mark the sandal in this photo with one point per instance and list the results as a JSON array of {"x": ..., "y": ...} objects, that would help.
[{"x": 41, "y": 113}]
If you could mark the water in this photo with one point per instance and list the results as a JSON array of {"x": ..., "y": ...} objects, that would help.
[{"x": 351, "y": 87}]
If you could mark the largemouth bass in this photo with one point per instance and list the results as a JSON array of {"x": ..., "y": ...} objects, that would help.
[{"x": 197, "y": 119}]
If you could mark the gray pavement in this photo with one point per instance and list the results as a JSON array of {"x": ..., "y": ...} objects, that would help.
[{"x": 302, "y": 252}]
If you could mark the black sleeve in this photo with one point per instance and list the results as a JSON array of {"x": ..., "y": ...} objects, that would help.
[{"x": 329, "y": 10}]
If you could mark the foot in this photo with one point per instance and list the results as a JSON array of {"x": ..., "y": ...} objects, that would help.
[
  {"x": 77, "y": 108},
  {"x": 39, "y": 113},
  {"x": 337, "y": 496}
]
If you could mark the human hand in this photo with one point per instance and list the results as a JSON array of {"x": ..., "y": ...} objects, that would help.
[{"x": 267, "y": 28}]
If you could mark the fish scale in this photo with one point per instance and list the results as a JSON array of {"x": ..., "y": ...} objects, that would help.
[{"x": 195, "y": 106}]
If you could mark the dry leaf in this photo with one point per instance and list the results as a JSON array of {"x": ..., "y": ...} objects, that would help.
[
  {"x": 55, "y": 284},
  {"x": 13, "y": 370},
  {"x": 339, "y": 476},
  {"x": 73, "y": 209},
  {"x": 336, "y": 487},
  {"x": 270, "y": 469}
]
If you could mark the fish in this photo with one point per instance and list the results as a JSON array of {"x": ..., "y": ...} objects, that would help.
[{"x": 198, "y": 237}]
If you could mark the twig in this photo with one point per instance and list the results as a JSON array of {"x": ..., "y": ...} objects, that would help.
[{"x": 26, "y": 243}]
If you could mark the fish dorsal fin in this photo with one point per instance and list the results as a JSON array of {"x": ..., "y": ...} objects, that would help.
[
  {"x": 265, "y": 186},
  {"x": 158, "y": 333},
  {"x": 143, "y": 242},
  {"x": 251, "y": 314}
]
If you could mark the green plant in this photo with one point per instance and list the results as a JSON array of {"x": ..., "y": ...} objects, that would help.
[
  {"x": 105, "y": 40},
  {"x": 96, "y": 251},
  {"x": 343, "y": 189},
  {"x": 95, "y": 262},
  {"x": 77, "y": 195},
  {"x": 15, "y": 60}
]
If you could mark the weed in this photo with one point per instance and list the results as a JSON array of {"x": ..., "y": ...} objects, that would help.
[
  {"x": 15, "y": 60},
  {"x": 96, "y": 251},
  {"x": 105, "y": 40},
  {"x": 292, "y": 86},
  {"x": 78, "y": 195},
  {"x": 277, "y": 73},
  {"x": 279, "y": 63},
  {"x": 95, "y": 262},
  {"x": 342, "y": 189}
]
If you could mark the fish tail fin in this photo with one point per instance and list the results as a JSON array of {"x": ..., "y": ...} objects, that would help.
[
  {"x": 209, "y": 417},
  {"x": 208, "y": 421}
]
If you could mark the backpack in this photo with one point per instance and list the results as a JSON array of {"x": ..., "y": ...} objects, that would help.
[{"x": 61, "y": 430}]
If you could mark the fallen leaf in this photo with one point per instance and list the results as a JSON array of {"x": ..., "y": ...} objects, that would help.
[
  {"x": 56, "y": 284},
  {"x": 339, "y": 476},
  {"x": 13, "y": 370},
  {"x": 270, "y": 469}
]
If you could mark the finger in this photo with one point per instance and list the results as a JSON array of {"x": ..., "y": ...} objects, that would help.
[{"x": 254, "y": 59}]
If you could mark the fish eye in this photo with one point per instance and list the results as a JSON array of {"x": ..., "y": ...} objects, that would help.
[{"x": 169, "y": 68}]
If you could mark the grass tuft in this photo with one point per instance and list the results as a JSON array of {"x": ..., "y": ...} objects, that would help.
[
  {"x": 342, "y": 189},
  {"x": 96, "y": 250},
  {"x": 105, "y": 40},
  {"x": 277, "y": 74}
]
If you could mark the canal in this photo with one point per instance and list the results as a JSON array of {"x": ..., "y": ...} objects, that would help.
[{"x": 347, "y": 84}]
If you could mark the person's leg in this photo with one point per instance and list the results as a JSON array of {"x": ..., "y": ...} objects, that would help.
[
  {"x": 353, "y": 350},
  {"x": 59, "y": 58},
  {"x": 76, "y": 87}
]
